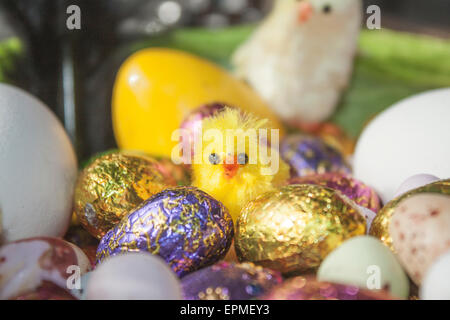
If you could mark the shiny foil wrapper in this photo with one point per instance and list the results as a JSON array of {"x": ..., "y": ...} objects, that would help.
[
  {"x": 185, "y": 226},
  {"x": 357, "y": 191},
  {"x": 294, "y": 228},
  {"x": 380, "y": 225},
  {"x": 180, "y": 173},
  {"x": 309, "y": 155},
  {"x": 308, "y": 288},
  {"x": 193, "y": 125},
  {"x": 114, "y": 184},
  {"x": 229, "y": 281}
]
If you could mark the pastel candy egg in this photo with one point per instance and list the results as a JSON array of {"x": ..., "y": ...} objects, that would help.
[
  {"x": 28, "y": 266},
  {"x": 293, "y": 228},
  {"x": 436, "y": 283},
  {"x": 366, "y": 263},
  {"x": 38, "y": 168},
  {"x": 309, "y": 155},
  {"x": 415, "y": 182},
  {"x": 403, "y": 141},
  {"x": 133, "y": 276},
  {"x": 229, "y": 281},
  {"x": 185, "y": 226},
  {"x": 420, "y": 231}
]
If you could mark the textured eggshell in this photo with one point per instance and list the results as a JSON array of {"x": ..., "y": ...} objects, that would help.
[
  {"x": 414, "y": 182},
  {"x": 38, "y": 168},
  {"x": 436, "y": 283},
  {"x": 420, "y": 231},
  {"x": 359, "y": 261},
  {"x": 26, "y": 265},
  {"x": 407, "y": 139},
  {"x": 133, "y": 276}
]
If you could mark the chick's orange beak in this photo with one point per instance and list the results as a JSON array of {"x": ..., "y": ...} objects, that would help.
[
  {"x": 305, "y": 11},
  {"x": 231, "y": 167}
]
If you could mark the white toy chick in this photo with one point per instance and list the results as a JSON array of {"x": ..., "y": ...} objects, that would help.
[{"x": 301, "y": 57}]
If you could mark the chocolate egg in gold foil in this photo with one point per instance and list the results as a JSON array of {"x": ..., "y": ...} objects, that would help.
[
  {"x": 381, "y": 223},
  {"x": 293, "y": 228},
  {"x": 114, "y": 184}
]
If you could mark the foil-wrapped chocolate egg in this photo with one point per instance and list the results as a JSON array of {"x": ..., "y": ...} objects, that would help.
[
  {"x": 229, "y": 281},
  {"x": 181, "y": 173},
  {"x": 27, "y": 266},
  {"x": 308, "y": 288},
  {"x": 356, "y": 190},
  {"x": 293, "y": 228},
  {"x": 311, "y": 155},
  {"x": 114, "y": 184},
  {"x": 185, "y": 226},
  {"x": 192, "y": 127},
  {"x": 381, "y": 223}
]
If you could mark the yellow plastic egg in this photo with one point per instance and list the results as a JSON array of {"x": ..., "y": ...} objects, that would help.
[{"x": 156, "y": 88}]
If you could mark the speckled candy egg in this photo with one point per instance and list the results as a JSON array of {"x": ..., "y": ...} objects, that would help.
[
  {"x": 308, "y": 288},
  {"x": 229, "y": 281},
  {"x": 185, "y": 226},
  {"x": 114, "y": 184},
  {"x": 310, "y": 155},
  {"x": 38, "y": 168},
  {"x": 381, "y": 223},
  {"x": 420, "y": 231},
  {"x": 133, "y": 276},
  {"x": 293, "y": 228},
  {"x": 366, "y": 263},
  {"x": 357, "y": 191},
  {"x": 27, "y": 266}
]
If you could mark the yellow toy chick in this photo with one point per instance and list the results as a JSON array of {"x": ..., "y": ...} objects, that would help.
[{"x": 237, "y": 159}]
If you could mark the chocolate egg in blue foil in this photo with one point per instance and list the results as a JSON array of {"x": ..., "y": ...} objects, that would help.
[
  {"x": 229, "y": 281},
  {"x": 310, "y": 155},
  {"x": 185, "y": 226}
]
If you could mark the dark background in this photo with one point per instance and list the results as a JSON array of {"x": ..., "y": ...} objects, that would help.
[{"x": 110, "y": 26}]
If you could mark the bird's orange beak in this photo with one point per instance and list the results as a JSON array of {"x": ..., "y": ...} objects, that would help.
[
  {"x": 305, "y": 11},
  {"x": 231, "y": 167}
]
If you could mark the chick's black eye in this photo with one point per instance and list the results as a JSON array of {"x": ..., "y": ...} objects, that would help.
[
  {"x": 242, "y": 158},
  {"x": 326, "y": 8},
  {"x": 214, "y": 158}
]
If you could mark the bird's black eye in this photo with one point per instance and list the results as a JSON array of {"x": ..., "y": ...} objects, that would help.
[
  {"x": 327, "y": 9},
  {"x": 242, "y": 158},
  {"x": 214, "y": 158}
]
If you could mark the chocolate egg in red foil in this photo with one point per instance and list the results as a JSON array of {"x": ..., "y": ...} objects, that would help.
[
  {"x": 308, "y": 288},
  {"x": 185, "y": 226},
  {"x": 311, "y": 155},
  {"x": 356, "y": 190},
  {"x": 229, "y": 281},
  {"x": 27, "y": 266}
]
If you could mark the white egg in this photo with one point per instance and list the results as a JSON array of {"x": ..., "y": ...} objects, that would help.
[
  {"x": 436, "y": 283},
  {"x": 38, "y": 168},
  {"x": 409, "y": 138},
  {"x": 414, "y": 182},
  {"x": 133, "y": 276}
]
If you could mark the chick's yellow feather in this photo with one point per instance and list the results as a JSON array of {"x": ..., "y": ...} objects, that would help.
[{"x": 232, "y": 162}]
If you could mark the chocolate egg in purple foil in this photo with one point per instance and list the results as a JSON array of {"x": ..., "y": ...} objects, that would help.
[
  {"x": 356, "y": 190},
  {"x": 229, "y": 281},
  {"x": 308, "y": 288},
  {"x": 309, "y": 155},
  {"x": 192, "y": 126},
  {"x": 185, "y": 226}
]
